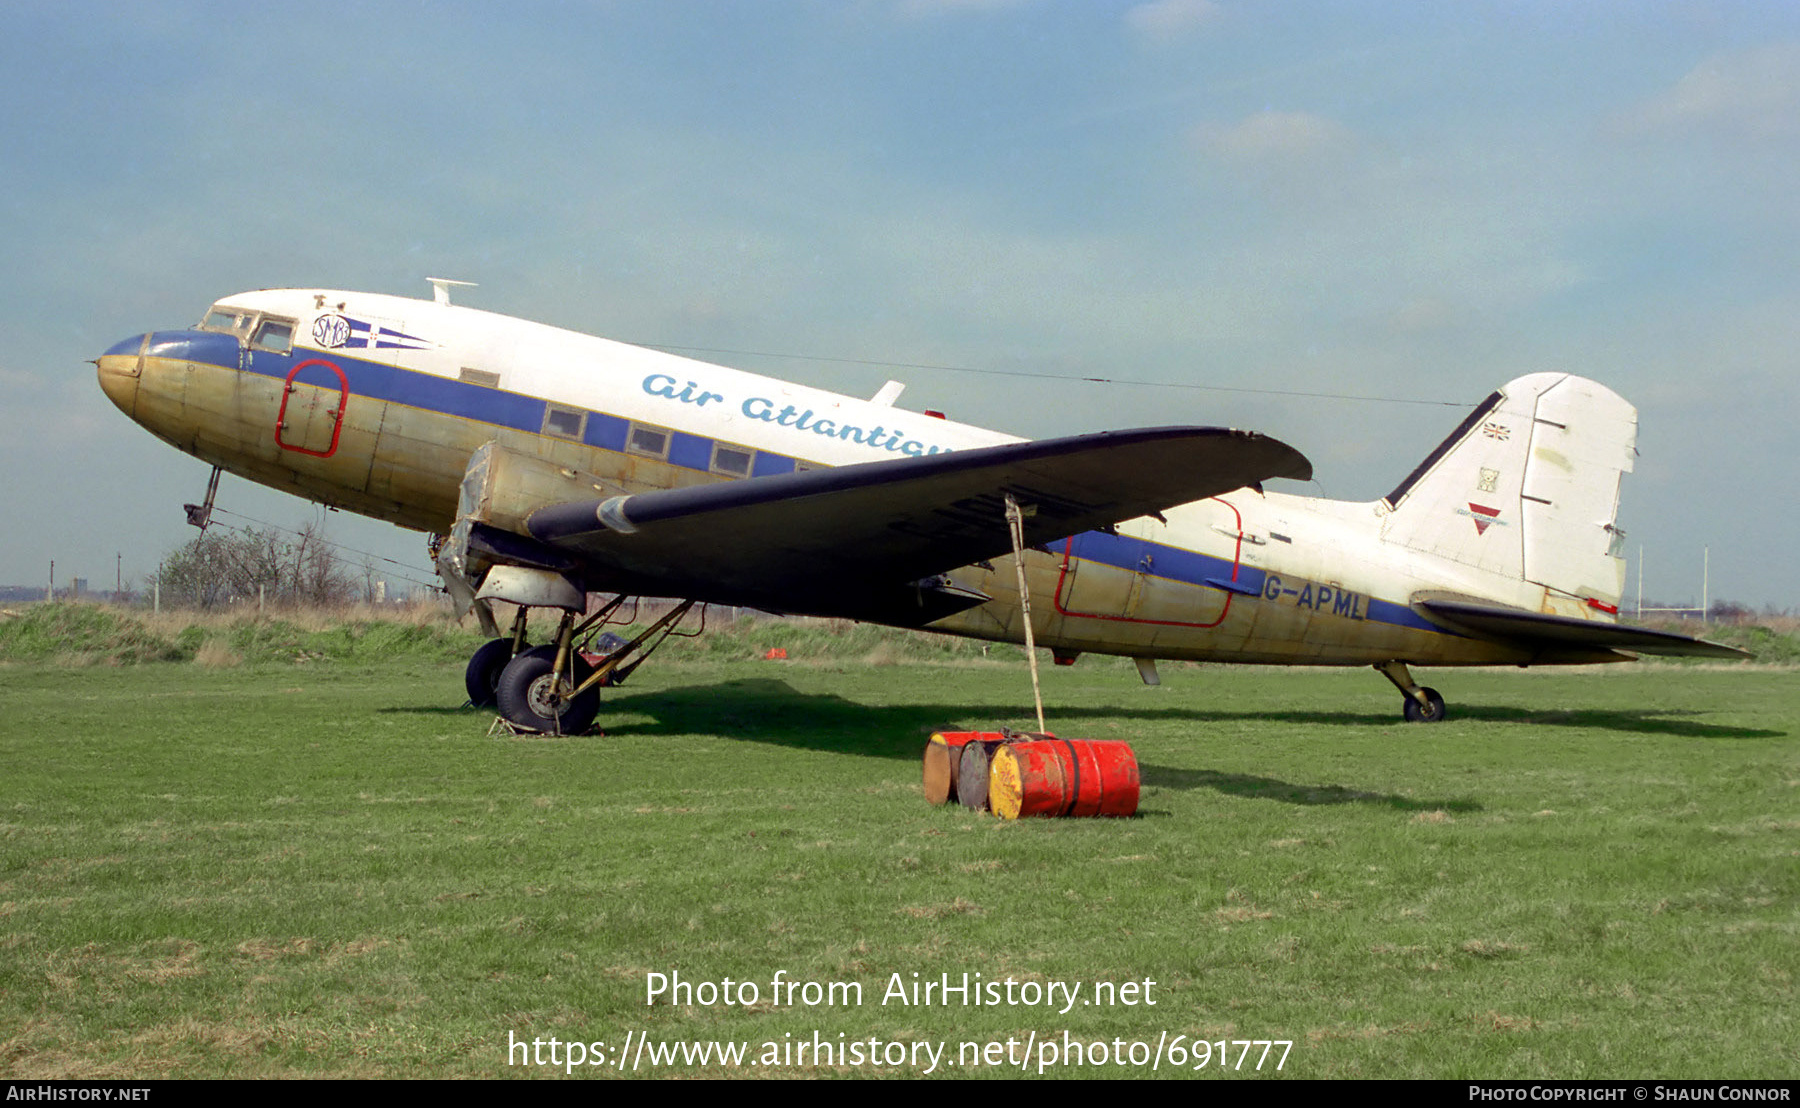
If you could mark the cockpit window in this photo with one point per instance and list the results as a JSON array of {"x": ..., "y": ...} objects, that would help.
[
  {"x": 274, "y": 334},
  {"x": 229, "y": 321}
]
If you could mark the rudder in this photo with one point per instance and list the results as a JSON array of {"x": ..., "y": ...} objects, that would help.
[{"x": 1527, "y": 487}]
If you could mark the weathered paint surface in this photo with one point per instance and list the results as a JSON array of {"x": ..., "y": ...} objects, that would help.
[{"x": 379, "y": 402}]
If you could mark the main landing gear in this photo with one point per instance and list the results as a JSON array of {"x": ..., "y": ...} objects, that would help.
[
  {"x": 482, "y": 678},
  {"x": 554, "y": 688},
  {"x": 1421, "y": 704},
  {"x": 535, "y": 693}
]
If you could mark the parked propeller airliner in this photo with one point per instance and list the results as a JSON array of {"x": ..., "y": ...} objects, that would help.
[{"x": 553, "y": 466}]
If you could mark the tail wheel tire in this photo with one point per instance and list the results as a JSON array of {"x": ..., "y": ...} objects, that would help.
[
  {"x": 483, "y": 675},
  {"x": 531, "y": 694},
  {"x": 1430, "y": 712}
]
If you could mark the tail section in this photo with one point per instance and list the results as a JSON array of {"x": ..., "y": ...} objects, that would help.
[{"x": 1527, "y": 487}]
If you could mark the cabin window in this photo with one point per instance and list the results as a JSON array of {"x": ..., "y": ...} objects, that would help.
[
  {"x": 567, "y": 423},
  {"x": 480, "y": 377},
  {"x": 731, "y": 460},
  {"x": 274, "y": 334},
  {"x": 653, "y": 441},
  {"x": 802, "y": 467}
]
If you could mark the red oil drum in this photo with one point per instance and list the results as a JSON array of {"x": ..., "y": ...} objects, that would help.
[
  {"x": 943, "y": 759},
  {"x": 1064, "y": 777}
]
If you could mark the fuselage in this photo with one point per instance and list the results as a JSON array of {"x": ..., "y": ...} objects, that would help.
[{"x": 375, "y": 403}]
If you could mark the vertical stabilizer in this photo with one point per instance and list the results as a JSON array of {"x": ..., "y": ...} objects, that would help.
[{"x": 1527, "y": 487}]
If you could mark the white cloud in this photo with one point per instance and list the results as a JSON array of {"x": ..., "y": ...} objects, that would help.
[
  {"x": 15, "y": 381},
  {"x": 1425, "y": 314},
  {"x": 1749, "y": 93},
  {"x": 1273, "y": 139},
  {"x": 926, "y": 9},
  {"x": 1164, "y": 20}
]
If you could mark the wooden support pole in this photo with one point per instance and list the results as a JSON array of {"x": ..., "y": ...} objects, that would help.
[{"x": 1015, "y": 521}]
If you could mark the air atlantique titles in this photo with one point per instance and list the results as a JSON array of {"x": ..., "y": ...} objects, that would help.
[{"x": 762, "y": 408}]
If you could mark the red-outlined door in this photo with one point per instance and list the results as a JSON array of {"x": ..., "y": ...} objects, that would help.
[
  {"x": 1123, "y": 603},
  {"x": 312, "y": 408}
]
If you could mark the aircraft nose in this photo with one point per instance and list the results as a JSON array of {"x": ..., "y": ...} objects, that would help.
[{"x": 120, "y": 368}]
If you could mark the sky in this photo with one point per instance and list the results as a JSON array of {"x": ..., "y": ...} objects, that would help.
[{"x": 1341, "y": 224}]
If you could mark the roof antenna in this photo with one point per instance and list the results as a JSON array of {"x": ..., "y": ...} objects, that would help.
[{"x": 440, "y": 288}]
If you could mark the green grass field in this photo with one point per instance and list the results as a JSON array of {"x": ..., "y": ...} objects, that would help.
[{"x": 263, "y": 866}]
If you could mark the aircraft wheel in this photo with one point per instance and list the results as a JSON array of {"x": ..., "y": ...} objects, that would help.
[
  {"x": 531, "y": 695},
  {"x": 483, "y": 675},
  {"x": 1433, "y": 713}
]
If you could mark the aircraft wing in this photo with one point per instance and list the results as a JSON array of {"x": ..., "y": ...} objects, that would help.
[
  {"x": 1540, "y": 629},
  {"x": 861, "y": 540}
]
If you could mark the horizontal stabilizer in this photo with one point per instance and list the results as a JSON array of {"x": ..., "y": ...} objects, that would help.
[
  {"x": 827, "y": 541},
  {"x": 1567, "y": 631}
]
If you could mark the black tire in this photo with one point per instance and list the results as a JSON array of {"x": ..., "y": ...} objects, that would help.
[
  {"x": 525, "y": 693},
  {"x": 1417, "y": 713},
  {"x": 483, "y": 675}
]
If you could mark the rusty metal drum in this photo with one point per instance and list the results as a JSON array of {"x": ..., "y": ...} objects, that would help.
[
  {"x": 1064, "y": 777},
  {"x": 972, "y": 772},
  {"x": 943, "y": 759}
]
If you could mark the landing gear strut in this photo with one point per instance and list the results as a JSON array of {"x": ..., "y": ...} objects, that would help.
[
  {"x": 200, "y": 515},
  {"x": 1421, "y": 704},
  {"x": 555, "y": 688}
]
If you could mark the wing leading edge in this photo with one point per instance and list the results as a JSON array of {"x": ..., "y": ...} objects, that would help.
[{"x": 857, "y": 539}]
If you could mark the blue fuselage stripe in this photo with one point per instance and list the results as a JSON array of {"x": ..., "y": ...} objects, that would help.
[
  {"x": 482, "y": 404},
  {"x": 1159, "y": 560},
  {"x": 1400, "y": 615}
]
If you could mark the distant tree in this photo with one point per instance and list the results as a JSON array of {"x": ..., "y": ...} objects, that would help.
[
  {"x": 1730, "y": 611},
  {"x": 254, "y": 563},
  {"x": 318, "y": 575},
  {"x": 201, "y": 574},
  {"x": 222, "y": 566},
  {"x": 367, "y": 583}
]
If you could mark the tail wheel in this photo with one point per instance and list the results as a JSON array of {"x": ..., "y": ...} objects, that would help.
[
  {"x": 1430, "y": 712},
  {"x": 482, "y": 677},
  {"x": 531, "y": 694}
]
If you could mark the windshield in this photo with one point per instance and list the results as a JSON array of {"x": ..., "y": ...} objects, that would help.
[
  {"x": 261, "y": 332},
  {"x": 227, "y": 321}
]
